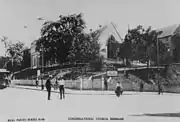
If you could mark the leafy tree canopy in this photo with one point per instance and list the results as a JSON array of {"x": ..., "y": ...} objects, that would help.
[
  {"x": 15, "y": 53},
  {"x": 64, "y": 39},
  {"x": 141, "y": 44}
]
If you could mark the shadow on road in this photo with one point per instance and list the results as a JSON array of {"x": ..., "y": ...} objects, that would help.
[{"x": 159, "y": 114}]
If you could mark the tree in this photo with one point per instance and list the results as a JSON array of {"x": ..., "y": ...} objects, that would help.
[
  {"x": 85, "y": 48},
  {"x": 65, "y": 40},
  {"x": 141, "y": 44},
  {"x": 15, "y": 53},
  {"x": 4, "y": 39},
  {"x": 58, "y": 38},
  {"x": 3, "y": 62}
]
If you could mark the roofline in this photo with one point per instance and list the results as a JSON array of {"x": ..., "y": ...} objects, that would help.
[{"x": 117, "y": 31}]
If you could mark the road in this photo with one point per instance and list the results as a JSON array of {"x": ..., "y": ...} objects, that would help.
[{"x": 18, "y": 104}]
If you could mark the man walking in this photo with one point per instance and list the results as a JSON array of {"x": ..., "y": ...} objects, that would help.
[
  {"x": 61, "y": 87},
  {"x": 48, "y": 87}
]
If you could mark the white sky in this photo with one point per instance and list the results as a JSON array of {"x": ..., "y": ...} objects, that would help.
[{"x": 14, "y": 14}]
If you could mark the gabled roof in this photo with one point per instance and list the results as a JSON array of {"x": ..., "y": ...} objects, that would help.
[
  {"x": 106, "y": 31},
  {"x": 168, "y": 31}
]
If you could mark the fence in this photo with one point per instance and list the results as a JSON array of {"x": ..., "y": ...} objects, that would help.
[{"x": 98, "y": 85}]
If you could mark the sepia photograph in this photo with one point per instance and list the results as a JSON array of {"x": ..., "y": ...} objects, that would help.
[{"x": 89, "y": 60}]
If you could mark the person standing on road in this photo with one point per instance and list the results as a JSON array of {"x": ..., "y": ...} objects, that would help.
[
  {"x": 48, "y": 87},
  {"x": 160, "y": 91},
  {"x": 37, "y": 83},
  {"x": 118, "y": 89},
  {"x": 105, "y": 84},
  {"x": 121, "y": 88},
  {"x": 61, "y": 87},
  {"x": 141, "y": 86}
]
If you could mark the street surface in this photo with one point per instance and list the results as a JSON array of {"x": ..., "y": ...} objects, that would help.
[{"x": 27, "y": 105}]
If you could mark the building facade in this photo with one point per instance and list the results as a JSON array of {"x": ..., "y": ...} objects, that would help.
[
  {"x": 35, "y": 56},
  {"x": 109, "y": 40},
  {"x": 170, "y": 36}
]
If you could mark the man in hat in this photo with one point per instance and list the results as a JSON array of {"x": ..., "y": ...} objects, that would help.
[
  {"x": 48, "y": 86},
  {"x": 61, "y": 87}
]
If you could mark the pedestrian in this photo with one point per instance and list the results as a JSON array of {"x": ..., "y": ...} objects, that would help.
[
  {"x": 141, "y": 86},
  {"x": 121, "y": 88},
  {"x": 160, "y": 91},
  {"x": 37, "y": 83},
  {"x": 48, "y": 86},
  {"x": 61, "y": 87},
  {"x": 105, "y": 84},
  {"x": 118, "y": 89}
]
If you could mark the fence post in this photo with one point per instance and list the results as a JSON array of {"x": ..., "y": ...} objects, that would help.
[
  {"x": 102, "y": 82},
  {"x": 81, "y": 83}
]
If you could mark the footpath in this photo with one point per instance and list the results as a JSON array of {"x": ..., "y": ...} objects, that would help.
[{"x": 82, "y": 92}]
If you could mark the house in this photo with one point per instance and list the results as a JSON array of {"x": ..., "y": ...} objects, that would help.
[
  {"x": 170, "y": 36},
  {"x": 109, "y": 40},
  {"x": 35, "y": 56},
  {"x": 26, "y": 63}
]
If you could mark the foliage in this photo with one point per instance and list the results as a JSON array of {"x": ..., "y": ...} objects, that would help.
[
  {"x": 4, "y": 39},
  {"x": 15, "y": 53},
  {"x": 64, "y": 40},
  {"x": 58, "y": 37},
  {"x": 85, "y": 48},
  {"x": 3, "y": 62},
  {"x": 97, "y": 64},
  {"x": 141, "y": 44}
]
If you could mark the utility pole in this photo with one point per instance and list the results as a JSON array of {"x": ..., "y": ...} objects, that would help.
[
  {"x": 42, "y": 64},
  {"x": 158, "y": 81}
]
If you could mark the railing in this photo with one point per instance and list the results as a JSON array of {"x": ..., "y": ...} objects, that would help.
[
  {"x": 135, "y": 68},
  {"x": 57, "y": 71}
]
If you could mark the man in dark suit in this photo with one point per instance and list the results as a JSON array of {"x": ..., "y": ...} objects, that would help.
[{"x": 48, "y": 86}]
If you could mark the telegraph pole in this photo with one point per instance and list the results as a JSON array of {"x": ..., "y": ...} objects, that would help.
[
  {"x": 42, "y": 64},
  {"x": 158, "y": 81}
]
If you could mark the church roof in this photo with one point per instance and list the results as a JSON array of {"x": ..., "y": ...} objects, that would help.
[
  {"x": 106, "y": 31},
  {"x": 168, "y": 31}
]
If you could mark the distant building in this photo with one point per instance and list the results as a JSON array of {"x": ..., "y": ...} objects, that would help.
[
  {"x": 109, "y": 40},
  {"x": 35, "y": 56},
  {"x": 26, "y": 63},
  {"x": 170, "y": 36}
]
